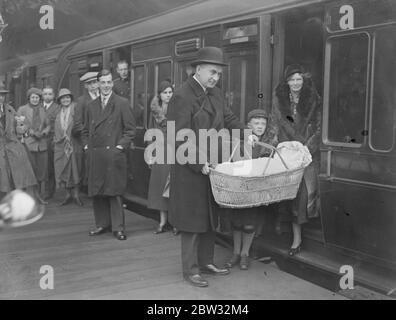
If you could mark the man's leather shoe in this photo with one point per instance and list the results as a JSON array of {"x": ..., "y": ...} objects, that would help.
[
  {"x": 98, "y": 231},
  {"x": 212, "y": 269},
  {"x": 120, "y": 235},
  {"x": 196, "y": 280}
]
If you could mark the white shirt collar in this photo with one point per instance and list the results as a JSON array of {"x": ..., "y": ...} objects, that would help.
[
  {"x": 203, "y": 88},
  {"x": 47, "y": 105},
  {"x": 93, "y": 95},
  {"x": 104, "y": 98}
]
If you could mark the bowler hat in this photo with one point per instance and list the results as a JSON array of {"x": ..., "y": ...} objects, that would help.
[
  {"x": 257, "y": 113},
  {"x": 3, "y": 89},
  {"x": 292, "y": 69},
  {"x": 209, "y": 55},
  {"x": 34, "y": 91},
  {"x": 89, "y": 76},
  {"x": 64, "y": 92}
]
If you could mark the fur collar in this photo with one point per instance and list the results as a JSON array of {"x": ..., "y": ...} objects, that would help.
[{"x": 308, "y": 98}]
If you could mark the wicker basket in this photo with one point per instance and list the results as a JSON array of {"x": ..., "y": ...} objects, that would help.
[{"x": 246, "y": 192}]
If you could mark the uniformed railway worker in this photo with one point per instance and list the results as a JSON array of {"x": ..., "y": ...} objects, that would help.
[
  {"x": 91, "y": 92},
  {"x": 122, "y": 85},
  {"x": 108, "y": 132},
  {"x": 198, "y": 104}
]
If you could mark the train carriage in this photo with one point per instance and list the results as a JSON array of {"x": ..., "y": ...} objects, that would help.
[{"x": 347, "y": 46}]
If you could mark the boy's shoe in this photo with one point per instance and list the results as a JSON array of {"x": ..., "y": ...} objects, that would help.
[
  {"x": 244, "y": 264},
  {"x": 233, "y": 261}
]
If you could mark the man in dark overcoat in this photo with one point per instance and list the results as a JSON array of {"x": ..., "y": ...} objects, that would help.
[
  {"x": 108, "y": 132},
  {"x": 198, "y": 104},
  {"x": 91, "y": 92}
]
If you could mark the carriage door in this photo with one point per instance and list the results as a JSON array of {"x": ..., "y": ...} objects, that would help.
[
  {"x": 241, "y": 78},
  {"x": 298, "y": 38}
]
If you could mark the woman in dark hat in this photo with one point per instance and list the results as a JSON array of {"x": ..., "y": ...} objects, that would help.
[
  {"x": 37, "y": 127},
  {"x": 16, "y": 171},
  {"x": 297, "y": 114},
  {"x": 159, "y": 178},
  {"x": 65, "y": 146}
]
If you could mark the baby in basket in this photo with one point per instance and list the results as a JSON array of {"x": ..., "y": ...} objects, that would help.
[{"x": 245, "y": 221}]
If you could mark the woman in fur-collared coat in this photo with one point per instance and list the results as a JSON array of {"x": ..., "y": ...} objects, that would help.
[{"x": 297, "y": 113}]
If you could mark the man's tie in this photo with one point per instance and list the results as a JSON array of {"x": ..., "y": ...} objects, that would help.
[{"x": 103, "y": 100}]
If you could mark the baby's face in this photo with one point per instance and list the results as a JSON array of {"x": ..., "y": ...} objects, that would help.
[{"x": 258, "y": 126}]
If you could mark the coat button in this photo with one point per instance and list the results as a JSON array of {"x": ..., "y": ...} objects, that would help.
[{"x": 107, "y": 147}]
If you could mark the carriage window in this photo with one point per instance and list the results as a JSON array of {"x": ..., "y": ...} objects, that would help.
[
  {"x": 384, "y": 97},
  {"x": 139, "y": 94},
  {"x": 164, "y": 72},
  {"x": 348, "y": 88}
]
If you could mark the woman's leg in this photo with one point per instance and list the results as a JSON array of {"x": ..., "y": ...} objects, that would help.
[
  {"x": 76, "y": 196},
  {"x": 296, "y": 235},
  {"x": 163, "y": 218},
  {"x": 247, "y": 239},
  {"x": 162, "y": 223}
]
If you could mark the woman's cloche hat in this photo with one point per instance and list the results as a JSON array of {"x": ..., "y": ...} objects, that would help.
[
  {"x": 64, "y": 92},
  {"x": 34, "y": 91},
  {"x": 209, "y": 55}
]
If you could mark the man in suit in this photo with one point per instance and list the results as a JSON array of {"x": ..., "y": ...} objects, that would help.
[
  {"x": 108, "y": 132},
  {"x": 91, "y": 92},
  {"x": 122, "y": 85},
  {"x": 51, "y": 110},
  {"x": 198, "y": 104}
]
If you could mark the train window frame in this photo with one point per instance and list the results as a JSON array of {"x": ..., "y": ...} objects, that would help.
[
  {"x": 156, "y": 73},
  {"x": 326, "y": 90},
  {"x": 372, "y": 93},
  {"x": 132, "y": 70},
  {"x": 330, "y": 7}
]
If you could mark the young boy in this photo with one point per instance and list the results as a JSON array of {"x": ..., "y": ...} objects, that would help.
[{"x": 244, "y": 221}]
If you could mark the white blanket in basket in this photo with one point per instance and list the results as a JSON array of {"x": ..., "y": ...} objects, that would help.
[{"x": 293, "y": 153}]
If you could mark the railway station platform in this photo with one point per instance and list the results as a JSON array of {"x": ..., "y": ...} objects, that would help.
[{"x": 145, "y": 266}]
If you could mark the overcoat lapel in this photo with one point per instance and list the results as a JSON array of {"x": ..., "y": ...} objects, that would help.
[{"x": 102, "y": 114}]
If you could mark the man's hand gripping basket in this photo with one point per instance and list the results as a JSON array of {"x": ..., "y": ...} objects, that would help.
[{"x": 246, "y": 192}]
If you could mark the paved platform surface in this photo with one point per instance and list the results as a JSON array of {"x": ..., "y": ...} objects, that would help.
[{"x": 145, "y": 266}]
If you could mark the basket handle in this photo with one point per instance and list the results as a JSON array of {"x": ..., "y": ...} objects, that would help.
[
  {"x": 273, "y": 150},
  {"x": 238, "y": 142}
]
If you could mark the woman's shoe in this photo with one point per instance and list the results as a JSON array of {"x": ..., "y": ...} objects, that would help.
[
  {"x": 66, "y": 201},
  {"x": 244, "y": 263},
  {"x": 78, "y": 201},
  {"x": 294, "y": 251},
  {"x": 233, "y": 261},
  {"x": 159, "y": 230}
]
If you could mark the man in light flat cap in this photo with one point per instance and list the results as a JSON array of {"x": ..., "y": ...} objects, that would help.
[
  {"x": 198, "y": 104},
  {"x": 91, "y": 92}
]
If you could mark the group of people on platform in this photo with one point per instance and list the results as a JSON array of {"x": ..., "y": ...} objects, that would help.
[{"x": 84, "y": 142}]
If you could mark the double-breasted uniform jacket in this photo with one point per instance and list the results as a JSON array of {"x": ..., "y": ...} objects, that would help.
[
  {"x": 122, "y": 87},
  {"x": 105, "y": 129},
  {"x": 305, "y": 127},
  {"x": 15, "y": 168},
  {"x": 34, "y": 143},
  {"x": 79, "y": 121},
  {"x": 65, "y": 146},
  {"x": 192, "y": 207}
]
